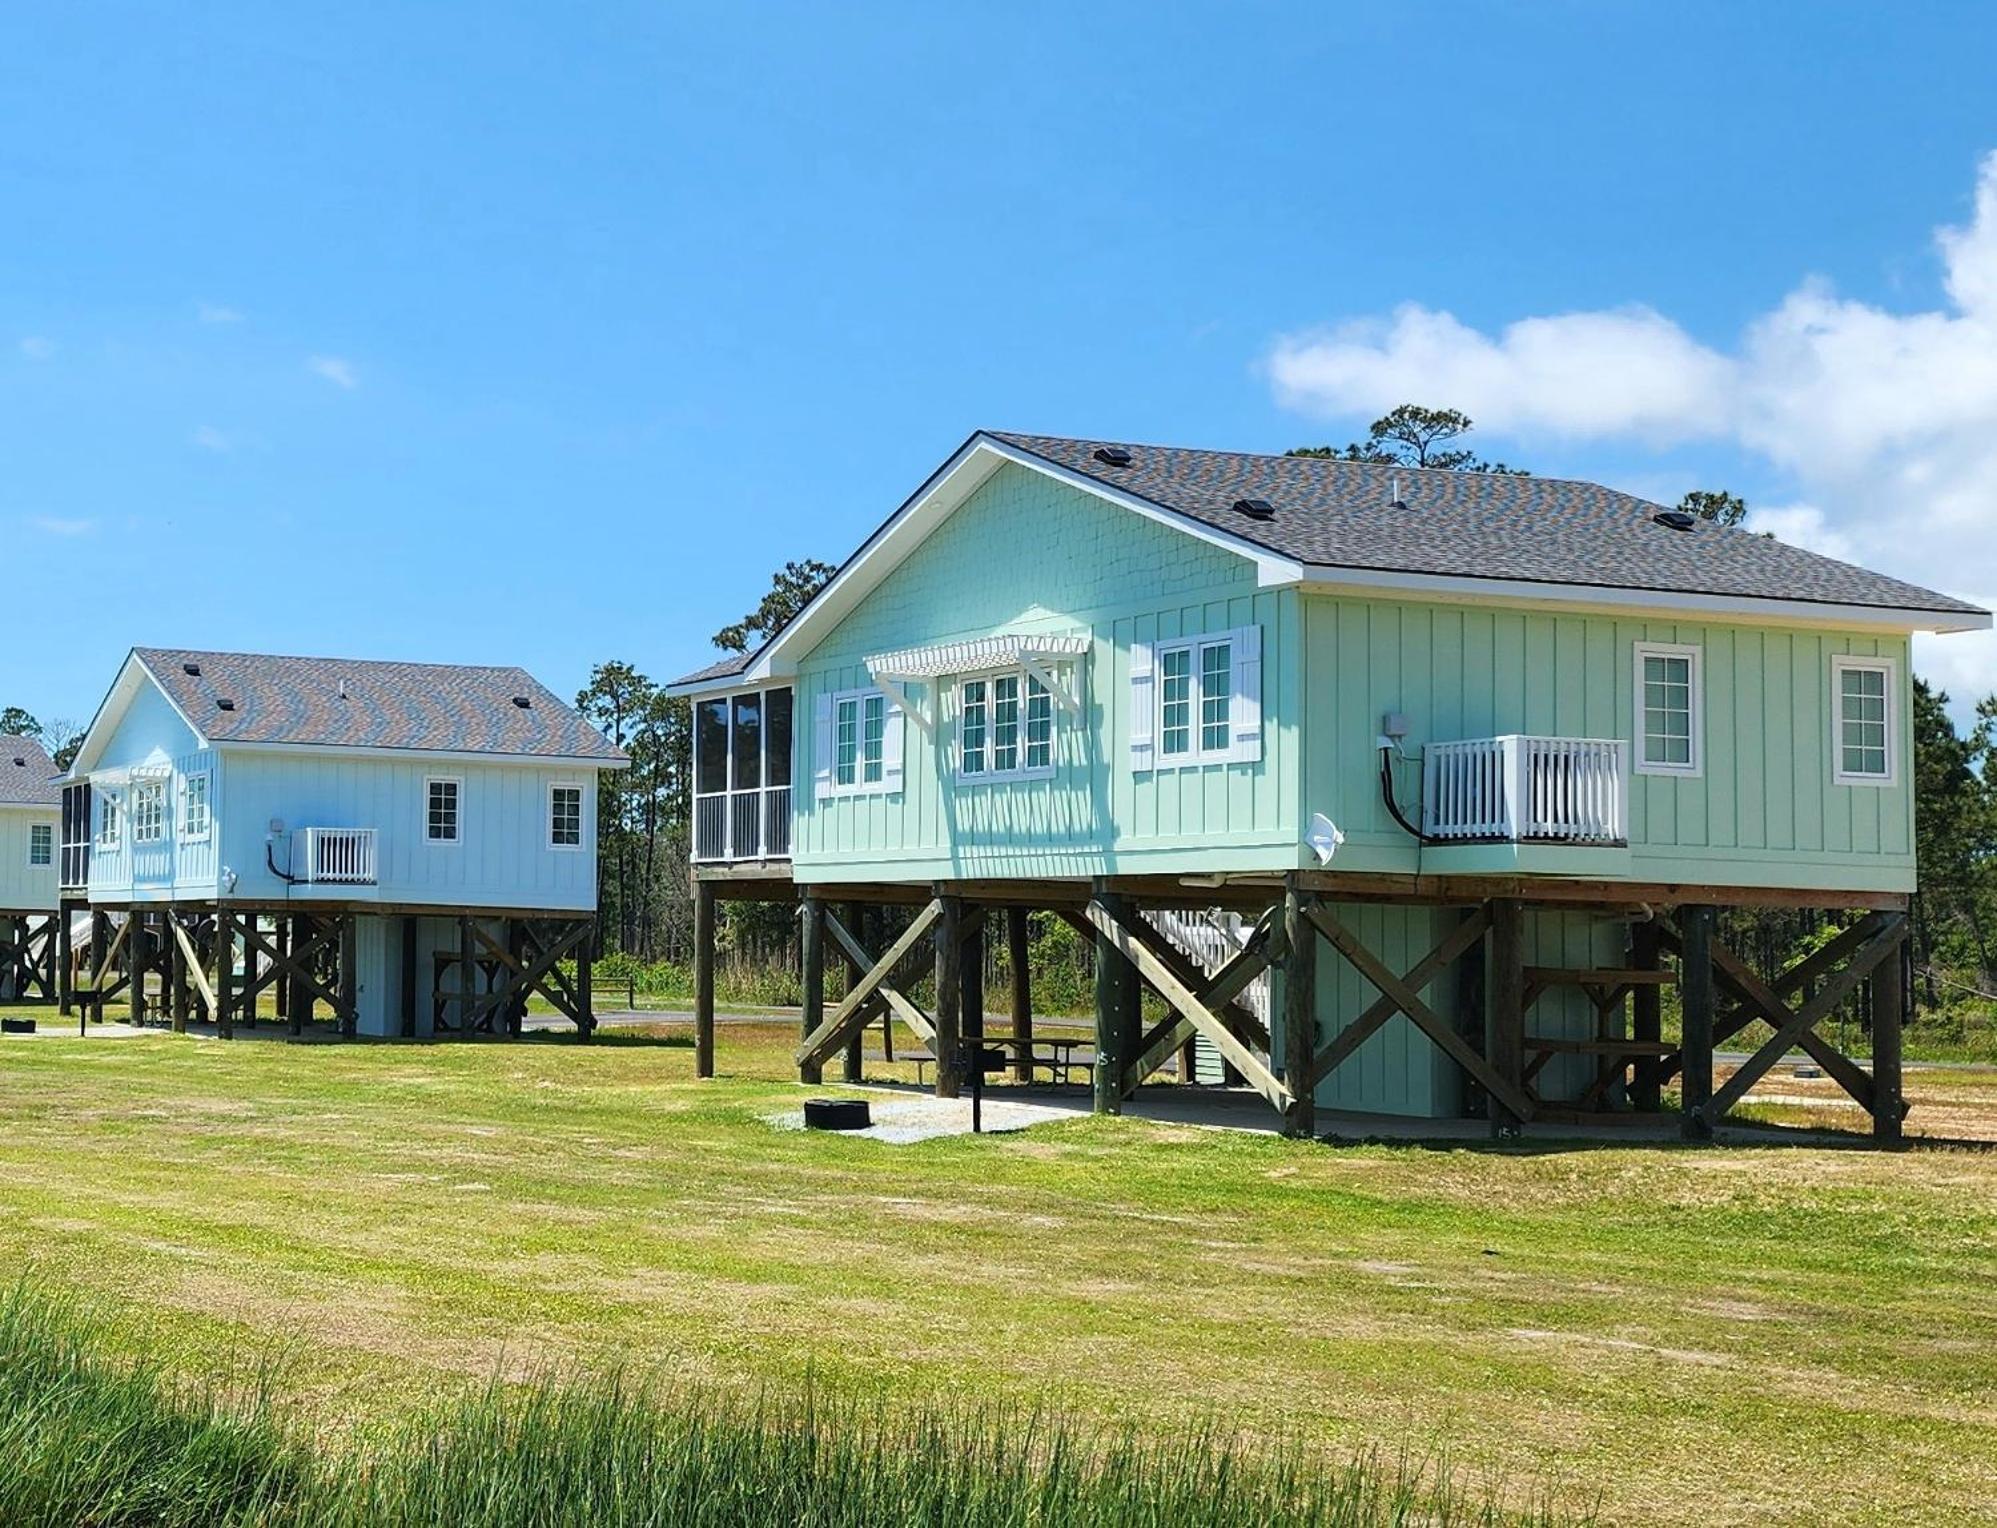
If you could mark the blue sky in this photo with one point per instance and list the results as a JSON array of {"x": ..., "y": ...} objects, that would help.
[{"x": 541, "y": 334}]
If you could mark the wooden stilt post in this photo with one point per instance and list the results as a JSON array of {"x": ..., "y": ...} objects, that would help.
[
  {"x": 467, "y": 977},
  {"x": 812, "y": 917},
  {"x": 854, "y": 1067},
  {"x": 294, "y": 934},
  {"x": 1646, "y": 1018},
  {"x": 875, "y": 938},
  {"x": 1889, "y": 982},
  {"x": 65, "y": 961},
  {"x": 1299, "y": 1013},
  {"x": 949, "y": 995},
  {"x": 1018, "y": 952},
  {"x": 252, "y": 977},
  {"x": 971, "y": 990},
  {"x": 1696, "y": 999},
  {"x": 408, "y": 992},
  {"x": 350, "y": 985},
  {"x": 1116, "y": 990},
  {"x": 703, "y": 979},
  {"x": 280, "y": 935},
  {"x": 225, "y": 973},
  {"x": 585, "y": 986},
  {"x": 135, "y": 963},
  {"x": 1504, "y": 986},
  {"x": 173, "y": 990}
]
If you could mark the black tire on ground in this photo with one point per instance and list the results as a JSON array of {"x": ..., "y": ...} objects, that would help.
[{"x": 836, "y": 1114}]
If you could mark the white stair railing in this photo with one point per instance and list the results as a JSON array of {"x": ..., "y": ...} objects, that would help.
[{"x": 1516, "y": 788}]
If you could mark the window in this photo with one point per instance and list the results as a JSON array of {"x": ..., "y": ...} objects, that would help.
[
  {"x": 441, "y": 811},
  {"x": 1209, "y": 701},
  {"x": 1005, "y": 728},
  {"x": 971, "y": 723},
  {"x": 1862, "y": 721},
  {"x": 194, "y": 818},
  {"x": 859, "y": 744},
  {"x": 107, "y": 821},
  {"x": 41, "y": 844},
  {"x": 565, "y": 816},
  {"x": 1669, "y": 710},
  {"x": 148, "y": 811}
]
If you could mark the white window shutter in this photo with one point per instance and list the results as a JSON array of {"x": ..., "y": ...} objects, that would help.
[
  {"x": 1247, "y": 707},
  {"x": 821, "y": 751},
  {"x": 891, "y": 749},
  {"x": 1143, "y": 706}
]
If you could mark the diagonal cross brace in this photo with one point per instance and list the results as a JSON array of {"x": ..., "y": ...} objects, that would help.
[
  {"x": 1891, "y": 931},
  {"x": 1400, "y": 995},
  {"x": 831, "y": 1035},
  {"x": 1131, "y": 945},
  {"x": 1218, "y": 993}
]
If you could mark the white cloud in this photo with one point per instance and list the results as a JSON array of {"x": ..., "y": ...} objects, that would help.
[
  {"x": 217, "y": 313},
  {"x": 36, "y": 348},
  {"x": 208, "y": 438},
  {"x": 335, "y": 370},
  {"x": 1885, "y": 422},
  {"x": 51, "y": 525}
]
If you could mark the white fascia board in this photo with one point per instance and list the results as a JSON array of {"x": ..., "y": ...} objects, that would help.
[
  {"x": 111, "y": 710},
  {"x": 1603, "y": 599},
  {"x": 441, "y": 755},
  {"x": 720, "y": 684},
  {"x": 30, "y": 806},
  {"x": 949, "y": 486}
]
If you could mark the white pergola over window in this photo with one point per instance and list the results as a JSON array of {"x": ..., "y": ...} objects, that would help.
[{"x": 1048, "y": 659}]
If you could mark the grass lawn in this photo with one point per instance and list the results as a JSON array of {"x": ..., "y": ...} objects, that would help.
[{"x": 1783, "y": 1332}]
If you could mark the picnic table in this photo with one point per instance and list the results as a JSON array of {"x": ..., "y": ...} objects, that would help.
[{"x": 1061, "y": 1055}]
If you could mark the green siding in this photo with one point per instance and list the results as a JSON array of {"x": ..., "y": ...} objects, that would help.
[
  {"x": 1028, "y": 555},
  {"x": 1763, "y": 813}
]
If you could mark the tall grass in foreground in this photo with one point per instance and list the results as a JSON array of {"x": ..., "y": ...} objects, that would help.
[{"x": 85, "y": 1438}]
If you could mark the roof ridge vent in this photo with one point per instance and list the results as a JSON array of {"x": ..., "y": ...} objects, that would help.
[
  {"x": 1255, "y": 509},
  {"x": 1113, "y": 456},
  {"x": 1676, "y": 519}
]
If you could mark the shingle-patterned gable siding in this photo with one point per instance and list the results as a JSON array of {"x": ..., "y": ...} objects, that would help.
[
  {"x": 27, "y": 774},
  {"x": 1475, "y": 525},
  {"x": 343, "y": 703}
]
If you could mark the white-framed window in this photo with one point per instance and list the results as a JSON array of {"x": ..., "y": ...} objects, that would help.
[
  {"x": 109, "y": 828},
  {"x": 441, "y": 800},
  {"x": 859, "y": 744},
  {"x": 1864, "y": 718},
  {"x": 564, "y": 816},
  {"x": 194, "y": 814},
  {"x": 1005, "y": 728},
  {"x": 1670, "y": 709},
  {"x": 1197, "y": 700},
  {"x": 41, "y": 844},
  {"x": 148, "y": 811}
]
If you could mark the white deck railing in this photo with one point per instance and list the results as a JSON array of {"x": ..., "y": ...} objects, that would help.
[
  {"x": 742, "y": 825},
  {"x": 335, "y": 857},
  {"x": 1560, "y": 789}
]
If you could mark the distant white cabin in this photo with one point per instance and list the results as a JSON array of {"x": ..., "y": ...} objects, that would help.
[
  {"x": 29, "y": 807},
  {"x": 422, "y": 793}
]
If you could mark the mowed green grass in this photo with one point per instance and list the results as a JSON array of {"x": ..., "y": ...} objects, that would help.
[{"x": 1779, "y": 1332}]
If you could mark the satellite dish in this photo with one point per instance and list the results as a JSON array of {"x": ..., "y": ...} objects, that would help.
[{"x": 1323, "y": 838}]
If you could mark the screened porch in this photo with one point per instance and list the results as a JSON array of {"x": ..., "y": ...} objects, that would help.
[{"x": 742, "y": 776}]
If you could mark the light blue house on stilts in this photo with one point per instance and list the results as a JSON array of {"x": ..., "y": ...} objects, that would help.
[
  {"x": 28, "y": 813},
  {"x": 411, "y": 845},
  {"x": 1473, "y": 759}
]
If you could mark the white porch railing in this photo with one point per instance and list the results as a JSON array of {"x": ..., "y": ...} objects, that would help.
[
  {"x": 335, "y": 857},
  {"x": 742, "y": 825},
  {"x": 1515, "y": 788}
]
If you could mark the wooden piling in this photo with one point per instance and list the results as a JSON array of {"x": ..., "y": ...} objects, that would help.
[
  {"x": 1018, "y": 949},
  {"x": 1697, "y": 998},
  {"x": 1299, "y": 1013},
  {"x": 703, "y": 979},
  {"x": 812, "y": 937},
  {"x": 949, "y": 995}
]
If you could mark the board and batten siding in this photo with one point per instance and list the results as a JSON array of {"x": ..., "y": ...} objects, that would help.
[
  {"x": 25, "y": 887},
  {"x": 1764, "y": 810},
  {"x": 1028, "y": 555},
  {"x": 502, "y": 858}
]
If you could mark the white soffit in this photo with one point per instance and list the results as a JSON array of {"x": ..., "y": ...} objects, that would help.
[{"x": 975, "y": 656}]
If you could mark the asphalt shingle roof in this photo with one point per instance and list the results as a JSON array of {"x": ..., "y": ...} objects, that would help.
[
  {"x": 726, "y": 668},
  {"x": 27, "y": 774},
  {"x": 349, "y": 703},
  {"x": 1474, "y": 525}
]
